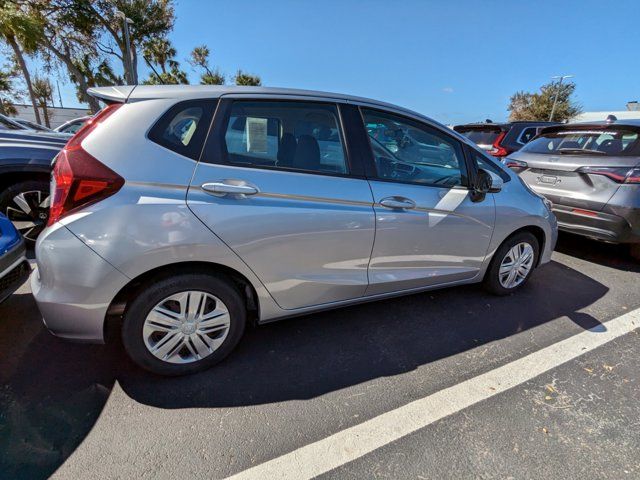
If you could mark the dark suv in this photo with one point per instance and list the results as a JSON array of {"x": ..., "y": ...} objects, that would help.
[
  {"x": 501, "y": 139},
  {"x": 25, "y": 171}
]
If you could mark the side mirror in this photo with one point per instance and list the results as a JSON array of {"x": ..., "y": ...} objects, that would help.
[
  {"x": 485, "y": 182},
  {"x": 496, "y": 182}
]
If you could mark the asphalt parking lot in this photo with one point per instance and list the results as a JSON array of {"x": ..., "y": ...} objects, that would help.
[{"x": 85, "y": 411}]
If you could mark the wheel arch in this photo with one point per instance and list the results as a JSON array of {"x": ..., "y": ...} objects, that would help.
[
  {"x": 118, "y": 305},
  {"x": 12, "y": 177}
]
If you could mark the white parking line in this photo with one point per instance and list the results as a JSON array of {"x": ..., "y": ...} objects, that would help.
[{"x": 352, "y": 443}]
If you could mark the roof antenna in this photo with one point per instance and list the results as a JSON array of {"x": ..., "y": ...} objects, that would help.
[{"x": 611, "y": 118}]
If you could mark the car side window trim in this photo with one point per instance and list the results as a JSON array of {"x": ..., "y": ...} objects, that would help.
[
  {"x": 215, "y": 150},
  {"x": 370, "y": 166}
]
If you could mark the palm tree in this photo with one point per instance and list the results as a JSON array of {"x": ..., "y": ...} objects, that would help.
[
  {"x": 44, "y": 94},
  {"x": 161, "y": 52},
  {"x": 21, "y": 32}
]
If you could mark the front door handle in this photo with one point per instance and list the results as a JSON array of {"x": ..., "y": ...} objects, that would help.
[
  {"x": 398, "y": 203},
  {"x": 223, "y": 188}
]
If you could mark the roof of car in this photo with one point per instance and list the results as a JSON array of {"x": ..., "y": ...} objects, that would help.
[
  {"x": 633, "y": 122},
  {"x": 504, "y": 124},
  {"x": 143, "y": 92}
]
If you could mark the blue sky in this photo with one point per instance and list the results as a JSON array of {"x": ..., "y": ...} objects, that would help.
[{"x": 455, "y": 61}]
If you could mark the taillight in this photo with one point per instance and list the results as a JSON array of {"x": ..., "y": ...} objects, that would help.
[
  {"x": 79, "y": 179},
  {"x": 617, "y": 174},
  {"x": 498, "y": 150},
  {"x": 517, "y": 165}
]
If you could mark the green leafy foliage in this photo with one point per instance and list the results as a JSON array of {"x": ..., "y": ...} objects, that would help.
[
  {"x": 537, "y": 106},
  {"x": 247, "y": 79}
]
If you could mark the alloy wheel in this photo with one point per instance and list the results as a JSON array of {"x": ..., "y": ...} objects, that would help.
[
  {"x": 29, "y": 212},
  {"x": 516, "y": 265},
  {"x": 186, "y": 327}
]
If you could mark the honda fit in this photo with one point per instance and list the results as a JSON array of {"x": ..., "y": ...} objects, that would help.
[{"x": 180, "y": 214}]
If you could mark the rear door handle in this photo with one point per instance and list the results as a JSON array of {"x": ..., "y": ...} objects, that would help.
[
  {"x": 398, "y": 203},
  {"x": 222, "y": 188}
]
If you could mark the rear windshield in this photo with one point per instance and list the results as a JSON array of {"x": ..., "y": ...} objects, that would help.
[
  {"x": 479, "y": 136},
  {"x": 608, "y": 141}
]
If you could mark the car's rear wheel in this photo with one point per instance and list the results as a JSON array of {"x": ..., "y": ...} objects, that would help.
[
  {"x": 512, "y": 264},
  {"x": 183, "y": 324},
  {"x": 634, "y": 250},
  {"x": 26, "y": 204}
]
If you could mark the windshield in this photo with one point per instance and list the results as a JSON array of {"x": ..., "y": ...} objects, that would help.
[
  {"x": 608, "y": 141},
  {"x": 480, "y": 136}
]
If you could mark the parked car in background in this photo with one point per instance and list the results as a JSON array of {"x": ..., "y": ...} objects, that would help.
[
  {"x": 72, "y": 126},
  {"x": 591, "y": 173},
  {"x": 7, "y": 123},
  {"x": 14, "y": 267},
  {"x": 25, "y": 171},
  {"x": 229, "y": 205},
  {"x": 501, "y": 139},
  {"x": 32, "y": 125}
]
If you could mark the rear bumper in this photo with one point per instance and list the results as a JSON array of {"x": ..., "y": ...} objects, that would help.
[
  {"x": 73, "y": 286},
  {"x": 620, "y": 227}
]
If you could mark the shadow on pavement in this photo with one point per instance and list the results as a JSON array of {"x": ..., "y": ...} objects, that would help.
[
  {"x": 606, "y": 254},
  {"x": 53, "y": 392}
]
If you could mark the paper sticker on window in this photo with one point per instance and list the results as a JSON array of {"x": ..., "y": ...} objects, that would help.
[{"x": 256, "y": 135}]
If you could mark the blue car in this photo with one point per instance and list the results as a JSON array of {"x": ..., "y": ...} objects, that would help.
[{"x": 14, "y": 267}]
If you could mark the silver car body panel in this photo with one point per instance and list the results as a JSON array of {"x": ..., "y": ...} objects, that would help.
[
  {"x": 307, "y": 237},
  {"x": 415, "y": 247},
  {"x": 303, "y": 242},
  {"x": 73, "y": 285}
]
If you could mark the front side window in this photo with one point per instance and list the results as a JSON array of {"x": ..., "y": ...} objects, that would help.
[
  {"x": 409, "y": 151},
  {"x": 286, "y": 135},
  {"x": 592, "y": 141}
]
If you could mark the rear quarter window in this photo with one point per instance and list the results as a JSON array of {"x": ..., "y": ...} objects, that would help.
[{"x": 183, "y": 128}]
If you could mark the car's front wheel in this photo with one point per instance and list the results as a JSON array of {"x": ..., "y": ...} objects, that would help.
[
  {"x": 183, "y": 324},
  {"x": 512, "y": 264}
]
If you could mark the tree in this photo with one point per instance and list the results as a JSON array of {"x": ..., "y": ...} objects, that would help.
[
  {"x": 44, "y": 94},
  {"x": 151, "y": 19},
  {"x": 243, "y": 78},
  {"x": 159, "y": 53},
  {"x": 537, "y": 106},
  {"x": 200, "y": 59},
  {"x": 7, "y": 92},
  {"x": 21, "y": 32},
  {"x": 69, "y": 34}
]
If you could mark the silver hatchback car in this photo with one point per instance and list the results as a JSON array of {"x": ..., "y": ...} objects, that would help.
[{"x": 181, "y": 214}]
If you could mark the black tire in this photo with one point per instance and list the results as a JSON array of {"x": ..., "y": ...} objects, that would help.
[
  {"x": 634, "y": 250},
  {"x": 492, "y": 280},
  {"x": 159, "y": 289},
  {"x": 39, "y": 215}
]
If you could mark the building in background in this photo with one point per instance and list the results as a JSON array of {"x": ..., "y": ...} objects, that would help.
[
  {"x": 57, "y": 115},
  {"x": 632, "y": 112}
]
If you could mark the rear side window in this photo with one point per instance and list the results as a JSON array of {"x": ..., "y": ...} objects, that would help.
[
  {"x": 592, "y": 141},
  {"x": 527, "y": 134},
  {"x": 183, "y": 128},
  {"x": 285, "y": 135}
]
